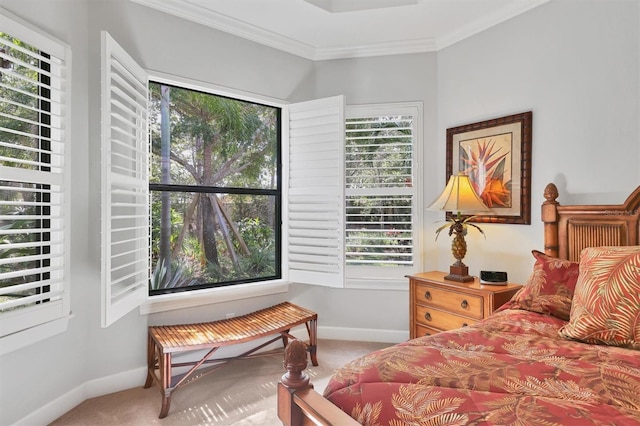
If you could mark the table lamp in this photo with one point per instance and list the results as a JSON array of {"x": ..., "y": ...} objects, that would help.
[{"x": 459, "y": 197}]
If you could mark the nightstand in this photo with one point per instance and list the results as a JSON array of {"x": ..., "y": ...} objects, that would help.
[{"x": 437, "y": 305}]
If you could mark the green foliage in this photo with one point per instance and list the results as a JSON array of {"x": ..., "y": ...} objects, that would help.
[
  {"x": 19, "y": 86},
  {"x": 216, "y": 142},
  {"x": 179, "y": 276},
  {"x": 259, "y": 263}
]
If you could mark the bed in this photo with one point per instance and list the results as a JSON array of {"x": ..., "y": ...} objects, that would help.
[{"x": 564, "y": 351}]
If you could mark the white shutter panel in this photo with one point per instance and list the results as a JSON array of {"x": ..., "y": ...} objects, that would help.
[
  {"x": 34, "y": 181},
  {"x": 125, "y": 187},
  {"x": 379, "y": 188},
  {"x": 316, "y": 192}
]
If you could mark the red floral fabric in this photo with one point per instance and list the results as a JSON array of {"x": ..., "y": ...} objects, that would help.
[
  {"x": 606, "y": 305},
  {"x": 550, "y": 287},
  {"x": 512, "y": 368}
]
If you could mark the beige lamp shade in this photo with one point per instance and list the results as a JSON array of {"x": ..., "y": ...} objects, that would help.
[{"x": 459, "y": 196}]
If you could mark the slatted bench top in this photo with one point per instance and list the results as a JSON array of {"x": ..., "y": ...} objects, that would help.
[{"x": 265, "y": 322}]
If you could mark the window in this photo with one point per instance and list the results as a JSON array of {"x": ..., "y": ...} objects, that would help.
[
  {"x": 215, "y": 190},
  {"x": 34, "y": 180},
  {"x": 201, "y": 206},
  {"x": 381, "y": 202},
  {"x": 207, "y": 217},
  {"x": 353, "y": 206}
]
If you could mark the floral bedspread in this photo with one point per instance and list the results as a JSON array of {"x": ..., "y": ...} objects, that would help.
[{"x": 511, "y": 369}]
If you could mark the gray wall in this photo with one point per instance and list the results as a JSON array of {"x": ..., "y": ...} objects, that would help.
[{"x": 574, "y": 63}]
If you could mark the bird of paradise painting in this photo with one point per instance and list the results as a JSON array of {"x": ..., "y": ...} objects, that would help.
[
  {"x": 487, "y": 162},
  {"x": 496, "y": 155}
]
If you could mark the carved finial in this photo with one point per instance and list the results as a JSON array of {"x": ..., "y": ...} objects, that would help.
[
  {"x": 295, "y": 361},
  {"x": 551, "y": 193}
]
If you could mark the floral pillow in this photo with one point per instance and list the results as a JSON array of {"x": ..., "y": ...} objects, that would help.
[
  {"x": 549, "y": 289},
  {"x": 606, "y": 304}
]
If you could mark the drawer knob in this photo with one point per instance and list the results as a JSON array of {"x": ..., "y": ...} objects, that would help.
[
  {"x": 427, "y": 316},
  {"x": 464, "y": 304},
  {"x": 427, "y": 334},
  {"x": 427, "y": 295},
  {"x": 464, "y": 324}
]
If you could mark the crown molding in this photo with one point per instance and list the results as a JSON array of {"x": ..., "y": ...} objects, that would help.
[
  {"x": 375, "y": 49},
  {"x": 207, "y": 17},
  {"x": 230, "y": 25},
  {"x": 514, "y": 9}
]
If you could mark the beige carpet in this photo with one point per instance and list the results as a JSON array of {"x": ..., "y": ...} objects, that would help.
[{"x": 243, "y": 394}]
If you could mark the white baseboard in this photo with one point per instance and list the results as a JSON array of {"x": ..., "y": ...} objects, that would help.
[
  {"x": 362, "y": 334},
  {"x": 136, "y": 377},
  {"x": 91, "y": 389}
]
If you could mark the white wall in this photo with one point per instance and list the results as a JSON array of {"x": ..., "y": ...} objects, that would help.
[
  {"x": 574, "y": 63},
  {"x": 32, "y": 377}
]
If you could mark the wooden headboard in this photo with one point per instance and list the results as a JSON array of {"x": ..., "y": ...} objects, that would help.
[{"x": 569, "y": 229}]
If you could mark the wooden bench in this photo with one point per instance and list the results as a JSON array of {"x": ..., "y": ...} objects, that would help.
[{"x": 164, "y": 341}]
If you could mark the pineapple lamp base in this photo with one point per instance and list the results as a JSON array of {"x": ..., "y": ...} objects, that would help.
[{"x": 459, "y": 272}]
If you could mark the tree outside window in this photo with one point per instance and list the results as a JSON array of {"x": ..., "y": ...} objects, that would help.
[{"x": 215, "y": 190}]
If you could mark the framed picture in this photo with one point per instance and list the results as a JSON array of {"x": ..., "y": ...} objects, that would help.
[{"x": 496, "y": 155}]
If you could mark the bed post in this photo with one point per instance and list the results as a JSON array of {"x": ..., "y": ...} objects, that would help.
[
  {"x": 550, "y": 219},
  {"x": 298, "y": 403},
  {"x": 295, "y": 379}
]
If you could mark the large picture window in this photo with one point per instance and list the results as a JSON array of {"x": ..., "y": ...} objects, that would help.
[{"x": 215, "y": 190}]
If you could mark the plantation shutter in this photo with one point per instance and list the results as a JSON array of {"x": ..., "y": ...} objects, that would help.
[
  {"x": 125, "y": 199},
  {"x": 316, "y": 192},
  {"x": 380, "y": 190},
  {"x": 34, "y": 249}
]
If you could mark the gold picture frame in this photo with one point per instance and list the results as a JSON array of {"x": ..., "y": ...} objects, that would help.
[{"x": 496, "y": 154}]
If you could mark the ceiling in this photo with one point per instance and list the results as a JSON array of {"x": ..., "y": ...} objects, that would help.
[{"x": 333, "y": 29}]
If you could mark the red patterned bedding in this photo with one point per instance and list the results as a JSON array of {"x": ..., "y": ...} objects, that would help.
[{"x": 511, "y": 369}]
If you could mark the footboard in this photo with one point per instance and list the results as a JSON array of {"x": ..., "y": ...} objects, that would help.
[{"x": 298, "y": 403}]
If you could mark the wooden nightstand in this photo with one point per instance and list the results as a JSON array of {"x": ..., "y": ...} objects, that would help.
[{"x": 437, "y": 305}]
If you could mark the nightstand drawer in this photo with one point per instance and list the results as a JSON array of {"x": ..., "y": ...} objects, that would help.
[
  {"x": 434, "y": 318},
  {"x": 422, "y": 330},
  {"x": 465, "y": 304}
]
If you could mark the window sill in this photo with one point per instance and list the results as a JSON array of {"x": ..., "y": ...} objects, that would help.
[
  {"x": 191, "y": 299},
  {"x": 377, "y": 284},
  {"x": 32, "y": 335},
  {"x": 379, "y": 278}
]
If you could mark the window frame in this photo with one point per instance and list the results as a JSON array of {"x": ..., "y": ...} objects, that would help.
[
  {"x": 392, "y": 277},
  {"x": 193, "y": 298},
  {"x": 43, "y": 321},
  {"x": 275, "y": 192}
]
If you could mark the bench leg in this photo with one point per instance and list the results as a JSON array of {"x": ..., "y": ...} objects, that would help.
[
  {"x": 151, "y": 361},
  {"x": 313, "y": 341},
  {"x": 166, "y": 402},
  {"x": 165, "y": 380}
]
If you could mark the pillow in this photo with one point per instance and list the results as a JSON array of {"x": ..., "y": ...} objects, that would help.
[
  {"x": 549, "y": 289},
  {"x": 606, "y": 304}
]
